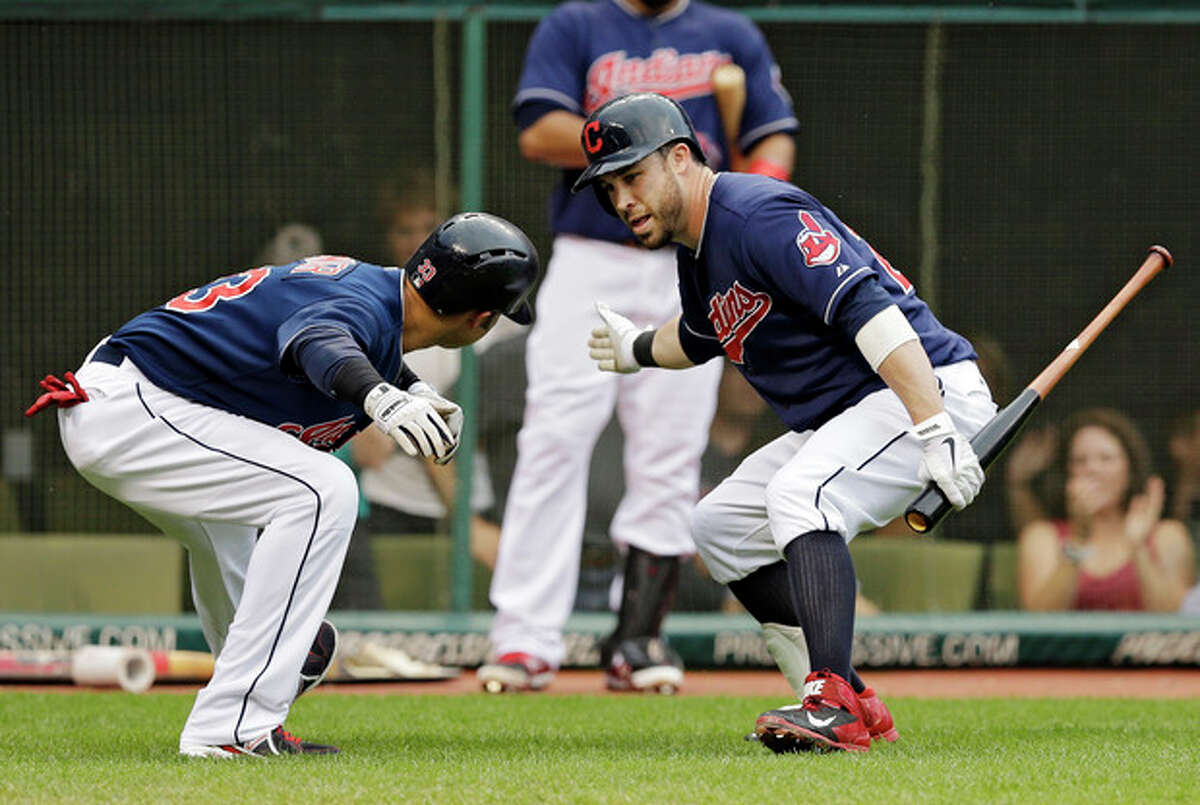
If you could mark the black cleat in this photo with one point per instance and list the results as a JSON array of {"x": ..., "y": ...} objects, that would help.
[
  {"x": 276, "y": 742},
  {"x": 320, "y": 658}
]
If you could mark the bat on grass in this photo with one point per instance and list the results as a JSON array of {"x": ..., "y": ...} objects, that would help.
[
  {"x": 49, "y": 665},
  {"x": 928, "y": 509}
]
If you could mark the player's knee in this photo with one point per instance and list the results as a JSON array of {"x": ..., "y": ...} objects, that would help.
[
  {"x": 706, "y": 521},
  {"x": 553, "y": 443},
  {"x": 791, "y": 510},
  {"x": 779, "y": 497},
  {"x": 337, "y": 494}
]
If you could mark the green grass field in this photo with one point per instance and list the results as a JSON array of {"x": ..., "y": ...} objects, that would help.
[{"x": 116, "y": 747}]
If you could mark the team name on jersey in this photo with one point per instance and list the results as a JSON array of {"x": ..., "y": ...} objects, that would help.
[
  {"x": 734, "y": 315},
  {"x": 322, "y": 436},
  {"x": 666, "y": 71}
]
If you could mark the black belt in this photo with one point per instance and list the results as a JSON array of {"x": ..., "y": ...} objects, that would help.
[{"x": 107, "y": 353}]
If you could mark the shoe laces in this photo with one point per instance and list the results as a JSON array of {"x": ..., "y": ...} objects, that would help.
[{"x": 287, "y": 737}]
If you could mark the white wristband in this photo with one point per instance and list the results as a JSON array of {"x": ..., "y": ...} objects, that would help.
[
  {"x": 937, "y": 426},
  {"x": 376, "y": 399},
  {"x": 886, "y": 330}
]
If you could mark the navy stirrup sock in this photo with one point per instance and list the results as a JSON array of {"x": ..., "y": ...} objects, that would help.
[
  {"x": 823, "y": 590},
  {"x": 766, "y": 594}
]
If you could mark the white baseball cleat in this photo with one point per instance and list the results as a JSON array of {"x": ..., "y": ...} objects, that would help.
[{"x": 515, "y": 671}]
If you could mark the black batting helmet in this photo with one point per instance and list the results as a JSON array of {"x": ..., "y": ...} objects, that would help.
[
  {"x": 476, "y": 261},
  {"x": 627, "y": 130}
]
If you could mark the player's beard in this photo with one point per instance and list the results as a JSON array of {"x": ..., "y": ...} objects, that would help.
[{"x": 664, "y": 216}]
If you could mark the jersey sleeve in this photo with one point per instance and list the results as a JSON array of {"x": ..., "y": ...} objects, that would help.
[
  {"x": 553, "y": 73},
  {"x": 699, "y": 345},
  {"x": 768, "y": 106},
  {"x": 360, "y": 317},
  {"x": 808, "y": 256},
  {"x": 696, "y": 335}
]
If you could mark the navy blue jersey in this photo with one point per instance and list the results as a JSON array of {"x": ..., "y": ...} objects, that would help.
[
  {"x": 225, "y": 344},
  {"x": 765, "y": 285},
  {"x": 584, "y": 54}
]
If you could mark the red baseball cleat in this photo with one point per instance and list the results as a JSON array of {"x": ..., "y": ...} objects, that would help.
[
  {"x": 830, "y": 718},
  {"x": 877, "y": 717}
]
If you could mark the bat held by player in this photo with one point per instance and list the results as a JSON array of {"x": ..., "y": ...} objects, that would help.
[
  {"x": 729, "y": 91},
  {"x": 931, "y": 506}
]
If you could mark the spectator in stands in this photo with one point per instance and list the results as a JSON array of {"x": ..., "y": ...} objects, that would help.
[
  {"x": 1105, "y": 544},
  {"x": 1025, "y": 475},
  {"x": 411, "y": 494},
  {"x": 1184, "y": 446}
]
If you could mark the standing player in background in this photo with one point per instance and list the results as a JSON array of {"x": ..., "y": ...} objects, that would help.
[
  {"x": 202, "y": 415},
  {"x": 580, "y": 56},
  {"x": 879, "y": 396}
]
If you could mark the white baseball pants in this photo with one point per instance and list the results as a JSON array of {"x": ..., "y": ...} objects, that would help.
[
  {"x": 855, "y": 473},
  {"x": 265, "y": 519},
  {"x": 664, "y": 416}
]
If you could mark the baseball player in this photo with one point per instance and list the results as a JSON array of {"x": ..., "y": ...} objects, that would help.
[
  {"x": 879, "y": 396},
  {"x": 580, "y": 56},
  {"x": 212, "y": 414}
]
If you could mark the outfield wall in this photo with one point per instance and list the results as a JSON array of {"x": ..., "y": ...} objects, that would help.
[{"x": 983, "y": 640}]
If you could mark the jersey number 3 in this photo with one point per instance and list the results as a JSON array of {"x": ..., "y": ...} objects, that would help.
[{"x": 204, "y": 298}]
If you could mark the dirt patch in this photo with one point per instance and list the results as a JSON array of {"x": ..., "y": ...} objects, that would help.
[
  {"x": 1059, "y": 683},
  {"x": 1156, "y": 683}
]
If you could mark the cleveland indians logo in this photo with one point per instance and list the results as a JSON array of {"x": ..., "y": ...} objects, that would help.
[
  {"x": 820, "y": 246},
  {"x": 425, "y": 272},
  {"x": 734, "y": 315},
  {"x": 592, "y": 140},
  {"x": 322, "y": 436}
]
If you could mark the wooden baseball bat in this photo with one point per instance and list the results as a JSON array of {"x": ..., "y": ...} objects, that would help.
[
  {"x": 183, "y": 666},
  {"x": 55, "y": 664},
  {"x": 928, "y": 509},
  {"x": 729, "y": 90}
]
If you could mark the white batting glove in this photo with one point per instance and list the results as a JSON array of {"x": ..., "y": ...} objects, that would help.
[
  {"x": 409, "y": 419},
  {"x": 612, "y": 345},
  {"x": 949, "y": 460},
  {"x": 448, "y": 410}
]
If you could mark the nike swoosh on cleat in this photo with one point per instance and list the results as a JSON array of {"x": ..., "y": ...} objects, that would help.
[{"x": 820, "y": 722}]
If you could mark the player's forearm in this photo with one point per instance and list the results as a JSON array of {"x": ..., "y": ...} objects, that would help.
[
  {"x": 778, "y": 150},
  {"x": 554, "y": 139},
  {"x": 666, "y": 348},
  {"x": 907, "y": 371}
]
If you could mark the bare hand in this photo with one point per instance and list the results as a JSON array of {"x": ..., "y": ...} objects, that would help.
[
  {"x": 1031, "y": 456},
  {"x": 1085, "y": 497},
  {"x": 1145, "y": 510}
]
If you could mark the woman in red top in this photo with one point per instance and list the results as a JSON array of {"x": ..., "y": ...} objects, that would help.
[{"x": 1109, "y": 547}]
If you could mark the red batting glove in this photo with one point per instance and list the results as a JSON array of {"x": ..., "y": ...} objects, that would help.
[{"x": 58, "y": 393}]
